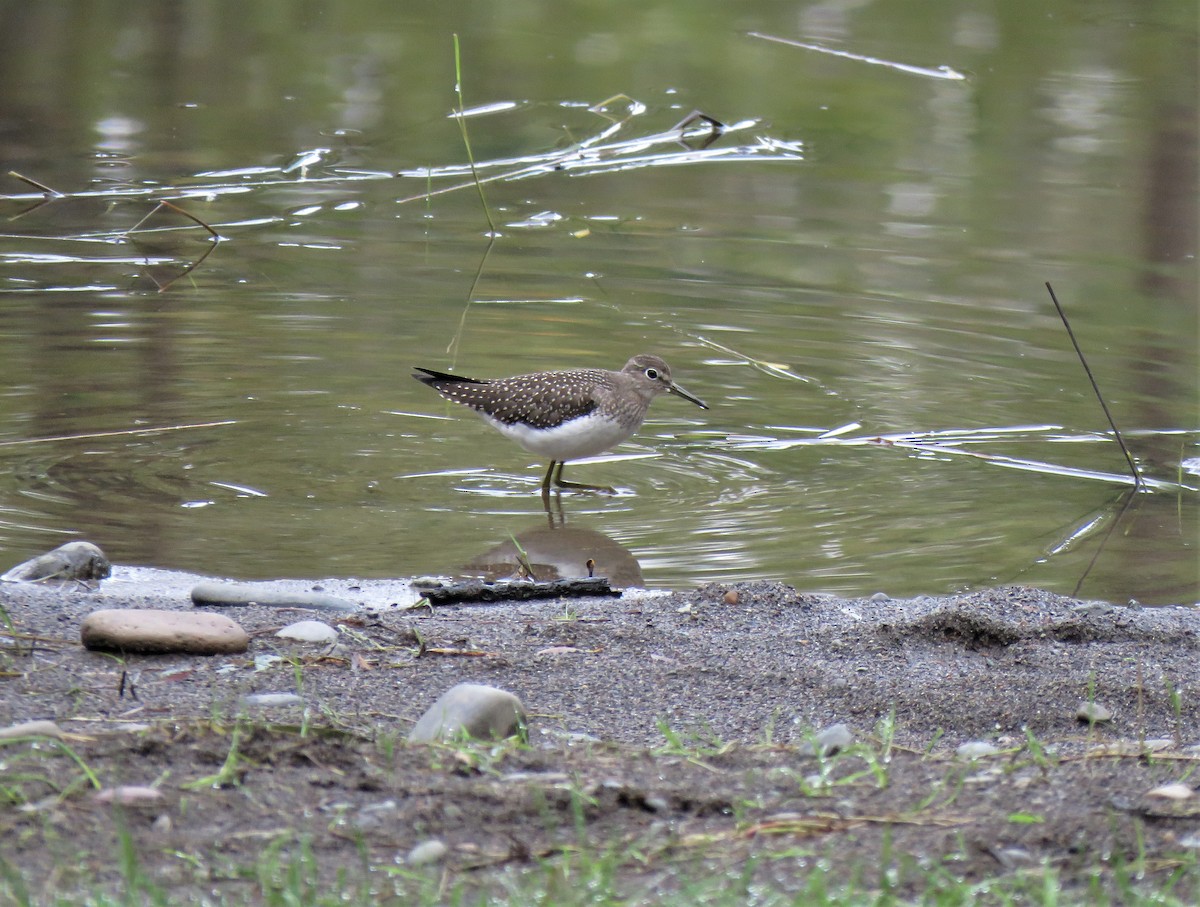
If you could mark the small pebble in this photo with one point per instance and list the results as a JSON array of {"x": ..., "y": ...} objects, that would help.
[
  {"x": 572, "y": 738},
  {"x": 1093, "y": 713},
  {"x": 880, "y": 597},
  {"x": 829, "y": 741},
  {"x": 1011, "y": 857},
  {"x": 1176, "y": 791},
  {"x": 272, "y": 700},
  {"x": 130, "y": 795},
  {"x": 557, "y": 650},
  {"x": 384, "y": 806},
  {"x": 313, "y": 631},
  {"x": 976, "y": 749},
  {"x": 374, "y": 816},
  {"x": 657, "y": 804},
  {"x": 1155, "y": 744},
  {"x": 731, "y": 597},
  {"x": 431, "y": 851}
]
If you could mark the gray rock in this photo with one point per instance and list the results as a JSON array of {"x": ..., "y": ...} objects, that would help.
[
  {"x": 309, "y": 631},
  {"x": 72, "y": 561},
  {"x": 472, "y": 709},
  {"x": 232, "y": 594},
  {"x": 147, "y": 631},
  {"x": 31, "y": 729},
  {"x": 1093, "y": 713},
  {"x": 829, "y": 741}
]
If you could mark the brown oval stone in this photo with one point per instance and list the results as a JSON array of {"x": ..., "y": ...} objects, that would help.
[{"x": 152, "y": 632}]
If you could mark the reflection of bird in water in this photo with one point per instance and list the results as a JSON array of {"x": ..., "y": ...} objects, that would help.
[
  {"x": 564, "y": 415},
  {"x": 560, "y": 554}
]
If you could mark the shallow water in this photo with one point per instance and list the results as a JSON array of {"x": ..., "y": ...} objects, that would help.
[{"x": 864, "y": 249}]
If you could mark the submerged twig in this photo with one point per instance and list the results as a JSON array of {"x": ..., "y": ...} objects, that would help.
[
  {"x": 1137, "y": 476},
  {"x": 716, "y": 129},
  {"x": 940, "y": 72},
  {"x": 216, "y": 238},
  {"x": 163, "y": 203},
  {"x": 1129, "y": 496},
  {"x": 88, "y": 436},
  {"x": 54, "y": 193},
  {"x": 48, "y": 194}
]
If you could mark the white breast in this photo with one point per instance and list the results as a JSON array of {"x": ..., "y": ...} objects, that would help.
[{"x": 583, "y": 437}]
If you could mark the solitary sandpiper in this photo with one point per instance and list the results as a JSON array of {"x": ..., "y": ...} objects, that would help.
[{"x": 564, "y": 415}]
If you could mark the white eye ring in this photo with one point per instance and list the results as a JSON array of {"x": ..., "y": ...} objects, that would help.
[{"x": 652, "y": 373}]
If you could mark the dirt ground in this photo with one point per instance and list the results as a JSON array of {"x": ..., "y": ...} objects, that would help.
[{"x": 672, "y": 730}]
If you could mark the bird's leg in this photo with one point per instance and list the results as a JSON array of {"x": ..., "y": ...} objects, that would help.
[
  {"x": 577, "y": 486},
  {"x": 546, "y": 481}
]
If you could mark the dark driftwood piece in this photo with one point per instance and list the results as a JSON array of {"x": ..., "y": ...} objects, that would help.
[{"x": 518, "y": 590}]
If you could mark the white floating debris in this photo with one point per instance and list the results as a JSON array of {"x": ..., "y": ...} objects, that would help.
[
  {"x": 840, "y": 430},
  {"x": 482, "y": 110}
]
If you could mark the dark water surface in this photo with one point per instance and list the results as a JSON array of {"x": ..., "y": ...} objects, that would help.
[{"x": 862, "y": 255}]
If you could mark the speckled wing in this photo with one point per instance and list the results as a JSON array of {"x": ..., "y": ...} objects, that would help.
[{"x": 544, "y": 400}]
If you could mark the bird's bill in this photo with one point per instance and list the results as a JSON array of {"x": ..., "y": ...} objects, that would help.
[{"x": 680, "y": 392}]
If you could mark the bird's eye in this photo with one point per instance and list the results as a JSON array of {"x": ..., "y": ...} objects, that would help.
[{"x": 652, "y": 374}]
